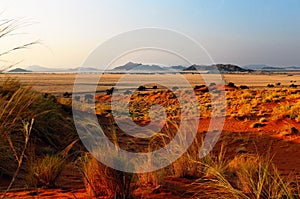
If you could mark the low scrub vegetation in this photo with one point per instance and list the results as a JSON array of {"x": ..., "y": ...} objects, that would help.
[{"x": 35, "y": 128}]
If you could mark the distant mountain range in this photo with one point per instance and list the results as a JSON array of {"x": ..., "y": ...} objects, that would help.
[
  {"x": 264, "y": 67},
  {"x": 131, "y": 66},
  {"x": 139, "y": 67},
  {"x": 41, "y": 69},
  {"x": 223, "y": 68}
]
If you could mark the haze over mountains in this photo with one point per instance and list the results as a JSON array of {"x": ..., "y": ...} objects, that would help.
[
  {"x": 41, "y": 69},
  {"x": 139, "y": 67},
  {"x": 36, "y": 68}
]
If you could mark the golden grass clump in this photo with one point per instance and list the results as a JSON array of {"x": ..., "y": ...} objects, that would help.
[
  {"x": 45, "y": 171},
  {"x": 246, "y": 176},
  {"x": 215, "y": 164},
  {"x": 258, "y": 177},
  {"x": 101, "y": 180}
]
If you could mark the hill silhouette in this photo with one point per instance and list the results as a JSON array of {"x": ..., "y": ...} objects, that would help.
[
  {"x": 19, "y": 70},
  {"x": 223, "y": 68}
]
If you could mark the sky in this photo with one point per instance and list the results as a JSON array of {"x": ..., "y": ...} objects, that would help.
[{"x": 231, "y": 31}]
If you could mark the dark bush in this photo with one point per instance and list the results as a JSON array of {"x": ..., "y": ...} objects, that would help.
[
  {"x": 110, "y": 91},
  {"x": 199, "y": 86},
  {"x": 141, "y": 88},
  {"x": 67, "y": 95},
  {"x": 293, "y": 86},
  {"x": 244, "y": 87},
  {"x": 230, "y": 84}
]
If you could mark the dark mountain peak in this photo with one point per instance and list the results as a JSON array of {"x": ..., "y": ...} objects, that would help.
[
  {"x": 19, "y": 70},
  {"x": 223, "y": 68},
  {"x": 231, "y": 68}
]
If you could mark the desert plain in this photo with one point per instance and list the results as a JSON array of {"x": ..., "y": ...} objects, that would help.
[{"x": 256, "y": 156}]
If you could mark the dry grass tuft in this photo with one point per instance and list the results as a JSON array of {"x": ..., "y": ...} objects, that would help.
[
  {"x": 247, "y": 176},
  {"x": 102, "y": 181},
  {"x": 45, "y": 171}
]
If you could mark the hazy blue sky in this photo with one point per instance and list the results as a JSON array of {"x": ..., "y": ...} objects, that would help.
[{"x": 232, "y": 31}]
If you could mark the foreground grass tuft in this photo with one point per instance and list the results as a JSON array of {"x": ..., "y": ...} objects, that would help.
[
  {"x": 19, "y": 107},
  {"x": 45, "y": 171}
]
